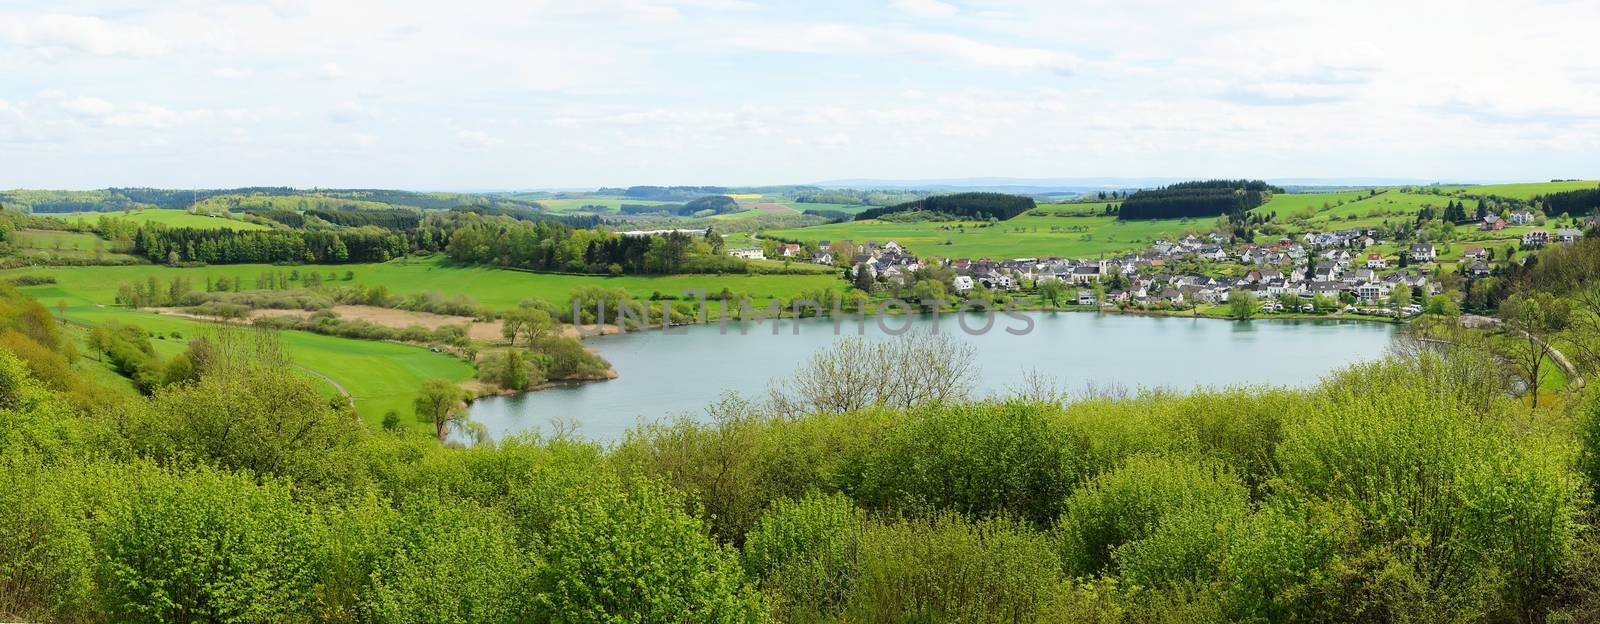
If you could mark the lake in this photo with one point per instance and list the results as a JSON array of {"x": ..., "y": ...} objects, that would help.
[{"x": 665, "y": 374}]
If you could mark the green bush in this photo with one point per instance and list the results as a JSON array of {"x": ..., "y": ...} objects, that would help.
[
  {"x": 1122, "y": 507},
  {"x": 1477, "y": 516},
  {"x": 630, "y": 554},
  {"x": 444, "y": 561},
  {"x": 982, "y": 458},
  {"x": 204, "y": 545},
  {"x": 951, "y": 569},
  {"x": 805, "y": 554}
]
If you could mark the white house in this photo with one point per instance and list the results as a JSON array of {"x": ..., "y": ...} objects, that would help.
[
  {"x": 962, "y": 283},
  {"x": 1423, "y": 252},
  {"x": 748, "y": 253}
]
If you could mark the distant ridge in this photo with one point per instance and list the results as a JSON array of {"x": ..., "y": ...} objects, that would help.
[{"x": 1089, "y": 184}]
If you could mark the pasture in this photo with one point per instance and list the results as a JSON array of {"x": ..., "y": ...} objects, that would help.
[
  {"x": 1026, "y": 236},
  {"x": 570, "y": 205},
  {"x": 1529, "y": 190},
  {"x": 491, "y": 287},
  {"x": 380, "y": 376},
  {"x": 57, "y": 240},
  {"x": 1287, "y": 204},
  {"x": 164, "y": 216}
]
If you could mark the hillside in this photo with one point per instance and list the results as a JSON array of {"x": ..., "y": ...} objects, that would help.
[
  {"x": 1208, "y": 198},
  {"x": 979, "y": 206}
]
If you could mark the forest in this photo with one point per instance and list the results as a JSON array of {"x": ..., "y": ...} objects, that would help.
[
  {"x": 1576, "y": 203},
  {"x": 548, "y": 246},
  {"x": 1201, "y": 199},
  {"x": 981, "y": 206}
]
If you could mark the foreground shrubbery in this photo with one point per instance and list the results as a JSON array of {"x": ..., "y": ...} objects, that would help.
[{"x": 1406, "y": 490}]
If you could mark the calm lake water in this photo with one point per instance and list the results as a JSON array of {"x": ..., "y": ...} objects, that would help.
[{"x": 663, "y": 375}]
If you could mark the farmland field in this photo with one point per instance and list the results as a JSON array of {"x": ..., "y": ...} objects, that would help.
[
  {"x": 56, "y": 240},
  {"x": 1369, "y": 211},
  {"x": 593, "y": 204},
  {"x": 1025, "y": 236},
  {"x": 379, "y": 376},
  {"x": 169, "y": 217},
  {"x": 1529, "y": 190},
  {"x": 495, "y": 288},
  {"x": 300, "y": 203},
  {"x": 1286, "y": 204},
  {"x": 845, "y": 208}
]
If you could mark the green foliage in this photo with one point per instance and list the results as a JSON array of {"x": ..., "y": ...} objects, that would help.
[
  {"x": 1153, "y": 512},
  {"x": 204, "y": 545},
  {"x": 805, "y": 554},
  {"x": 438, "y": 560},
  {"x": 980, "y": 459},
  {"x": 951, "y": 569},
  {"x": 630, "y": 554},
  {"x": 1444, "y": 523}
]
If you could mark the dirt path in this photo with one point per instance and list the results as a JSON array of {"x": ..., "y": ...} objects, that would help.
[{"x": 336, "y": 385}]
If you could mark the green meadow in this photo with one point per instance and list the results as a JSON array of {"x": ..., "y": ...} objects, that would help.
[
  {"x": 491, "y": 287},
  {"x": 56, "y": 240},
  {"x": 590, "y": 204},
  {"x": 1529, "y": 190},
  {"x": 164, "y": 216},
  {"x": 1287, "y": 204},
  {"x": 379, "y": 376},
  {"x": 804, "y": 206},
  {"x": 1027, "y": 236}
]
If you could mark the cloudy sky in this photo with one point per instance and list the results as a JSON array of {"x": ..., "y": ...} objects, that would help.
[{"x": 476, "y": 94}]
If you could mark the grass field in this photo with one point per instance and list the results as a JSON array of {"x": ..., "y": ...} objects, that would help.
[
  {"x": 495, "y": 288},
  {"x": 845, "y": 208},
  {"x": 1023, "y": 237},
  {"x": 298, "y": 203},
  {"x": 173, "y": 218},
  {"x": 583, "y": 204},
  {"x": 56, "y": 240},
  {"x": 1529, "y": 190},
  {"x": 380, "y": 376},
  {"x": 1286, "y": 204}
]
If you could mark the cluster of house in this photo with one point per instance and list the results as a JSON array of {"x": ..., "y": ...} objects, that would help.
[
  {"x": 1326, "y": 264},
  {"x": 1321, "y": 264},
  {"x": 1535, "y": 239},
  {"x": 786, "y": 250}
]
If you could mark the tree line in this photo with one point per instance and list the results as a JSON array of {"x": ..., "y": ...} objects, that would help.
[
  {"x": 1577, "y": 203},
  {"x": 981, "y": 206},
  {"x": 1208, "y": 198}
]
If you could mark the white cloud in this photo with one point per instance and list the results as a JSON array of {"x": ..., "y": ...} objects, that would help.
[
  {"x": 833, "y": 39},
  {"x": 56, "y": 36},
  {"x": 925, "y": 8},
  {"x": 664, "y": 91},
  {"x": 349, "y": 112},
  {"x": 89, "y": 106},
  {"x": 231, "y": 73},
  {"x": 476, "y": 139}
]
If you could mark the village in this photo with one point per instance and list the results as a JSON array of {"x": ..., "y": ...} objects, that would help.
[{"x": 1339, "y": 272}]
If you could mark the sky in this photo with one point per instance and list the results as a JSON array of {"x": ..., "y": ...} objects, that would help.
[{"x": 519, "y": 94}]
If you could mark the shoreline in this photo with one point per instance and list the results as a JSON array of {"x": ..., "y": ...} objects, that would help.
[{"x": 614, "y": 330}]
